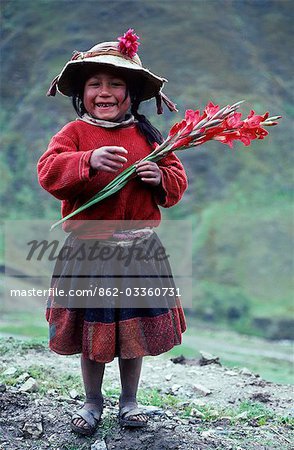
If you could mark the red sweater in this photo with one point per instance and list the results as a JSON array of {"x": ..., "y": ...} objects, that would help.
[{"x": 64, "y": 171}]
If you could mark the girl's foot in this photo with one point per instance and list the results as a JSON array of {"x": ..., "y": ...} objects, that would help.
[
  {"x": 130, "y": 415},
  {"x": 86, "y": 419}
]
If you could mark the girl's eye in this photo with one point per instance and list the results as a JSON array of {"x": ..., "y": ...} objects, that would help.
[{"x": 97, "y": 84}]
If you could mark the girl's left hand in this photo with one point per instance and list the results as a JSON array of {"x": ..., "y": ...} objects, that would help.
[{"x": 149, "y": 172}]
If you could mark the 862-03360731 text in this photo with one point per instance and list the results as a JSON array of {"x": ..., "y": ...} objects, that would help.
[{"x": 94, "y": 291}]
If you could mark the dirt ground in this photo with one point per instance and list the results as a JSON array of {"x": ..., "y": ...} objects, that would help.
[{"x": 32, "y": 420}]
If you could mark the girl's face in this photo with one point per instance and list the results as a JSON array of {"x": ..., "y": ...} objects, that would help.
[{"x": 105, "y": 96}]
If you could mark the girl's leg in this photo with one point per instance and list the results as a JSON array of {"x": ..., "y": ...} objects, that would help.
[
  {"x": 130, "y": 370},
  {"x": 92, "y": 373}
]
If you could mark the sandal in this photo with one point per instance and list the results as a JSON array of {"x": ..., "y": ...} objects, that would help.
[
  {"x": 90, "y": 416},
  {"x": 127, "y": 416}
]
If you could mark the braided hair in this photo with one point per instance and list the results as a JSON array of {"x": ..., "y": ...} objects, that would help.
[{"x": 151, "y": 133}]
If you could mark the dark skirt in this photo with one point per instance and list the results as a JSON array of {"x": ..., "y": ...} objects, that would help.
[{"x": 119, "y": 303}]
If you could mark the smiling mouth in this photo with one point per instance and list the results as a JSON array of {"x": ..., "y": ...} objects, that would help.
[{"x": 105, "y": 105}]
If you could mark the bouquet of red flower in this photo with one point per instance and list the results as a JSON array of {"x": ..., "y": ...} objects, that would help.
[{"x": 223, "y": 125}]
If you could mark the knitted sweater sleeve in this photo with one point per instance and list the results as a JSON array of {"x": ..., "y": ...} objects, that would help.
[
  {"x": 173, "y": 181},
  {"x": 63, "y": 170}
]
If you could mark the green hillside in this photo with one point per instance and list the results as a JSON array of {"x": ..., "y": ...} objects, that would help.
[{"x": 239, "y": 200}]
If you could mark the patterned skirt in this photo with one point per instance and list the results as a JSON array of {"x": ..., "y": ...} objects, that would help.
[{"x": 115, "y": 301}]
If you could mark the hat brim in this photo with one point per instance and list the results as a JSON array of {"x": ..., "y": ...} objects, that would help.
[{"x": 150, "y": 84}]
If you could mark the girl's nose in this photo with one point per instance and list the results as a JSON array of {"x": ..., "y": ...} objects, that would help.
[{"x": 104, "y": 90}]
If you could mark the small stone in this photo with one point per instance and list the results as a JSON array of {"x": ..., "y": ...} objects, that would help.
[
  {"x": 33, "y": 428},
  {"x": 169, "y": 427},
  {"x": 246, "y": 372},
  {"x": 99, "y": 445},
  {"x": 150, "y": 409},
  {"x": 168, "y": 377},
  {"x": 175, "y": 387},
  {"x": 30, "y": 385},
  {"x": 198, "y": 402},
  {"x": 51, "y": 392},
  {"x": 208, "y": 358},
  {"x": 201, "y": 389},
  {"x": 231, "y": 373},
  {"x": 208, "y": 433},
  {"x": 183, "y": 404},
  {"x": 74, "y": 394},
  {"x": 23, "y": 377},
  {"x": 10, "y": 371},
  {"x": 196, "y": 413},
  {"x": 2, "y": 388}
]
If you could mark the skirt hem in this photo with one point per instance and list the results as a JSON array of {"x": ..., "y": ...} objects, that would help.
[{"x": 141, "y": 355}]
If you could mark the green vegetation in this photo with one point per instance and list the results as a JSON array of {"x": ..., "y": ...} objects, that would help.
[
  {"x": 239, "y": 201},
  {"x": 24, "y": 324},
  {"x": 273, "y": 361}
]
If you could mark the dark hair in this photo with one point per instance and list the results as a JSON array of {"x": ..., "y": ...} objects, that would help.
[{"x": 151, "y": 133}]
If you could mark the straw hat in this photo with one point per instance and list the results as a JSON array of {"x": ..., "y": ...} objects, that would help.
[{"x": 122, "y": 55}]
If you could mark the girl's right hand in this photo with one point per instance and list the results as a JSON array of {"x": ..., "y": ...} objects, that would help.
[{"x": 108, "y": 159}]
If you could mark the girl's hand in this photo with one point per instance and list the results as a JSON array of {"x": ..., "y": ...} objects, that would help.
[
  {"x": 149, "y": 172},
  {"x": 108, "y": 158}
]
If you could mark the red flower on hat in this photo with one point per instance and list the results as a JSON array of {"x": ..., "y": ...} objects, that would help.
[{"x": 128, "y": 43}]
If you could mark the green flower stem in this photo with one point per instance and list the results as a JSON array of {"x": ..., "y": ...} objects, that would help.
[
  {"x": 90, "y": 203},
  {"x": 116, "y": 181},
  {"x": 114, "y": 186}
]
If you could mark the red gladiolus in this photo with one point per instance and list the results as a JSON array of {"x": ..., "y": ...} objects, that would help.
[
  {"x": 253, "y": 120},
  {"x": 128, "y": 43},
  {"x": 224, "y": 125},
  {"x": 192, "y": 116},
  {"x": 184, "y": 142},
  {"x": 211, "y": 109},
  {"x": 174, "y": 130},
  {"x": 177, "y": 127},
  {"x": 228, "y": 139},
  {"x": 234, "y": 121}
]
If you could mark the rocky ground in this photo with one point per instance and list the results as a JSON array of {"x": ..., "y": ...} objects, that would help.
[{"x": 193, "y": 405}]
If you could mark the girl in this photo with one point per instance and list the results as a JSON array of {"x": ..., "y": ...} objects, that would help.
[{"x": 107, "y": 85}]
